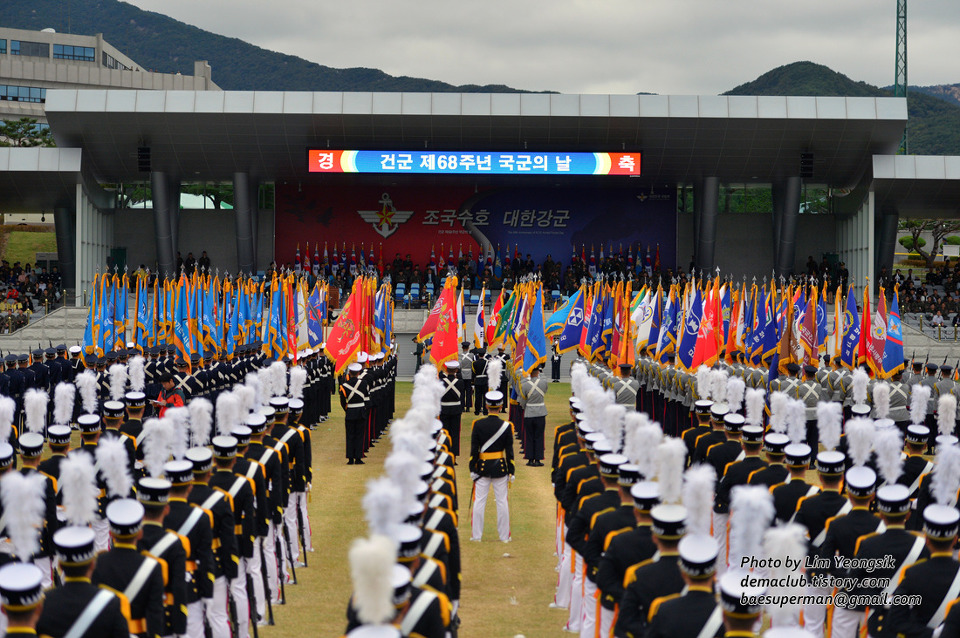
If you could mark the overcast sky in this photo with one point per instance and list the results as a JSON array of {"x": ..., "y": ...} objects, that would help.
[{"x": 592, "y": 46}]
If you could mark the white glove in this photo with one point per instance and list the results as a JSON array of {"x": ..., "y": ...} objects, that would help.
[
  {"x": 511, "y": 478},
  {"x": 474, "y": 476},
  {"x": 309, "y": 487}
]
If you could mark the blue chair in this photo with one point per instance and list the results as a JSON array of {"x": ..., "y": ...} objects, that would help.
[
  {"x": 474, "y": 300},
  {"x": 486, "y": 296},
  {"x": 554, "y": 294}
]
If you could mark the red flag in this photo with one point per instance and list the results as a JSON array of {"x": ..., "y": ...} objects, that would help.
[
  {"x": 707, "y": 351},
  {"x": 864, "y": 326},
  {"x": 808, "y": 330},
  {"x": 343, "y": 341},
  {"x": 446, "y": 341},
  {"x": 430, "y": 325},
  {"x": 877, "y": 336},
  {"x": 494, "y": 316}
]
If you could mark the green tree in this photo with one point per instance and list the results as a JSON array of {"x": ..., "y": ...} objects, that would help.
[
  {"x": 938, "y": 228},
  {"x": 907, "y": 242},
  {"x": 25, "y": 132}
]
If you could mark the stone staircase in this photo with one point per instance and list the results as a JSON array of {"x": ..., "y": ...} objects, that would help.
[{"x": 63, "y": 325}]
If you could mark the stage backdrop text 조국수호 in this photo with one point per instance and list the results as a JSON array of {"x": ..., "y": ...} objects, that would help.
[{"x": 417, "y": 219}]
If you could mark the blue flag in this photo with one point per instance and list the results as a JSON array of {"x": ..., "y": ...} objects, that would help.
[
  {"x": 573, "y": 326},
  {"x": 181, "y": 322},
  {"x": 667, "y": 339},
  {"x": 893, "y": 349},
  {"x": 851, "y": 332},
  {"x": 822, "y": 320},
  {"x": 143, "y": 318},
  {"x": 691, "y": 328},
  {"x": 536, "y": 351},
  {"x": 314, "y": 318},
  {"x": 556, "y": 321},
  {"x": 594, "y": 338}
]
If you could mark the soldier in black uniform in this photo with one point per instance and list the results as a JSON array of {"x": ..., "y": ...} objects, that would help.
[
  {"x": 16, "y": 385},
  {"x": 167, "y": 548},
  {"x": 694, "y": 613},
  {"x": 703, "y": 442},
  {"x": 118, "y": 568},
  {"x": 241, "y": 497},
  {"x": 656, "y": 577},
  {"x": 491, "y": 465},
  {"x": 353, "y": 400},
  {"x": 736, "y": 473},
  {"x": 915, "y": 465},
  {"x": 451, "y": 403},
  {"x": 690, "y": 435},
  {"x": 41, "y": 377},
  {"x": 786, "y": 495},
  {"x": 479, "y": 380},
  {"x": 190, "y": 521},
  {"x": 719, "y": 455},
  {"x": 555, "y": 361},
  {"x": 219, "y": 513},
  {"x": 738, "y": 602},
  {"x": 58, "y": 438},
  {"x": 21, "y": 598},
  {"x": 31, "y": 448},
  {"x": 930, "y": 579},
  {"x": 133, "y": 424},
  {"x": 113, "y": 413},
  {"x": 774, "y": 445},
  {"x": 66, "y": 607}
]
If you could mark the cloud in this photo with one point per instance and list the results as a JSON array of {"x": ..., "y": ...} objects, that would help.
[{"x": 578, "y": 46}]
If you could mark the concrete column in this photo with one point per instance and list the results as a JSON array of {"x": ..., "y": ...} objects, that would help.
[
  {"x": 173, "y": 196},
  {"x": 788, "y": 203},
  {"x": 886, "y": 239},
  {"x": 63, "y": 217},
  {"x": 245, "y": 222},
  {"x": 162, "y": 224},
  {"x": 705, "y": 196}
]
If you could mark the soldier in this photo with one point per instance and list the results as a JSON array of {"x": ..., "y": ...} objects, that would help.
[
  {"x": 58, "y": 438},
  {"x": 933, "y": 580},
  {"x": 76, "y": 361},
  {"x": 125, "y": 570},
  {"x": 738, "y": 600},
  {"x": 253, "y": 472},
  {"x": 31, "y": 448},
  {"x": 491, "y": 465},
  {"x": 133, "y": 425},
  {"x": 625, "y": 387},
  {"x": 21, "y": 598},
  {"x": 813, "y": 512},
  {"x": 167, "y": 548},
  {"x": 656, "y": 577},
  {"x": 533, "y": 391},
  {"x": 170, "y": 395},
  {"x": 703, "y": 442},
  {"x": 946, "y": 384},
  {"x": 291, "y": 446},
  {"x": 736, "y": 473},
  {"x": 113, "y": 412},
  {"x": 774, "y": 444},
  {"x": 786, "y": 495},
  {"x": 451, "y": 403},
  {"x": 720, "y": 455},
  {"x": 930, "y": 380},
  {"x": 555, "y": 362},
  {"x": 788, "y": 382},
  {"x": 899, "y": 402},
  {"x": 298, "y": 498},
  {"x": 40, "y": 372},
  {"x": 466, "y": 371},
  {"x": 694, "y": 613},
  {"x": 219, "y": 514},
  {"x": 835, "y": 380},
  {"x": 353, "y": 400},
  {"x": 77, "y": 607},
  {"x": 702, "y": 410},
  {"x": 190, "y": 521},
  {"x": 905, "y": 548},
  {"x": 479, "y": 381},
  {"x": 811, "y": 393}
]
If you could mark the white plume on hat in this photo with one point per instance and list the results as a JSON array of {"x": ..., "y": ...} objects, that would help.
[
  {"x": 201, "y": 421},
  {"x": 254, "y": 380},
  {"x": 112, "y": 458},
  {"x": 919, "y": 396},
  {"x": 8, "y": 408},
  {"x": 888, "y": 445},
  {"x": 704, "y": 387},
  {"x": 64, "y": 397},
  {"x": 494, "y": 372},
  {"x": 643, "y": 439},
  {"x": 859, "y": 383},
  {"x": 298, "y": 379},
  {"x": 735, "y": 389},
  {"x": 946, "y": 475},
  {"x": 578, "y": 374},
  {"x": 403, "y": 470},
  {"x": 228, "y": 413},
  {"x": 371, "y": 565},
  {"x": 86, "y": 383},
  {"x": 78, "y": 480},
  {"x": 778, "y": 411},
  {"x": 786, "y": 544},
  {"x": 265, "y": 383},
  {"x": 946, "y": 413},
  {"x": 180, "y": 420},
  {"x": 247, "y": 397},
  {"x": 135, "y": 370},
  {"x": 278, "y": 376},
  {"x": 881, "y": 399},
  {"x": 612, "y": 425},
  {"x": 23, "y": 510},
  {"x": 158, "y": 436},
  {"x": 698, "y": 485},
  {"x": 829, "y": 420},
  {"x": 671, "y": 457},
  {"x": 751, "y": 511},
  {"x": 796, "y": 421},
  {"x": 755, "y": 402},
  {"x": 383, "y": 506},
  {"x": 35, "y": 410},
  {"x": 860, "y": 432},
  {"x": 118, "y": 381},
  {"x": 718, "y": 384}
]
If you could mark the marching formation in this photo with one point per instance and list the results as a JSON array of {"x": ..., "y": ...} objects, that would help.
[
  {"x": 182, "y": 510},
  {"x": 708, "y": 522}
]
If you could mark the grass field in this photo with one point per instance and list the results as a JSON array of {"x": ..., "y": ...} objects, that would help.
[
  {"x": 506, "y": 587},
  {"x": 23, "y": 246}
]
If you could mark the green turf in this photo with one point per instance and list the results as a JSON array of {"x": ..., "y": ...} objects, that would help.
[{"x": 23, "y": 246}]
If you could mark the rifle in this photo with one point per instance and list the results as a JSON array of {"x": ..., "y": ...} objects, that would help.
[
  {"x": 266, "y": 584},
  {"x": 301, "y": 529},
  {"x": 286, "y": 539},
  {"x": 283, "y": 574},
  {"x": 232, "y": 609},
  {"x": 252, "y": 605}
]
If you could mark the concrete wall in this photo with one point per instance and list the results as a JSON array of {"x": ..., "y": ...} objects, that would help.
[
  {"x": 200, "y": 230},
  {"x": 745, "y": 242}
]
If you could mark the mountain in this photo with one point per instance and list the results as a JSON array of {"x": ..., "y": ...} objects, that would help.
[
  {"x": 947, "y": 92},
  {"x": 162, "y": 44},
  {"x": 934, "y": 125}
]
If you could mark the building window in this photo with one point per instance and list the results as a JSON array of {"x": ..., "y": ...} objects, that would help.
[
  {"x": 13, "y": 93},
  {"x": 34, "y": 49},
  {"x": 68, "y": 52},
  {"x": 3, "y": 46},
  {"x": 112, "y": 63}
]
